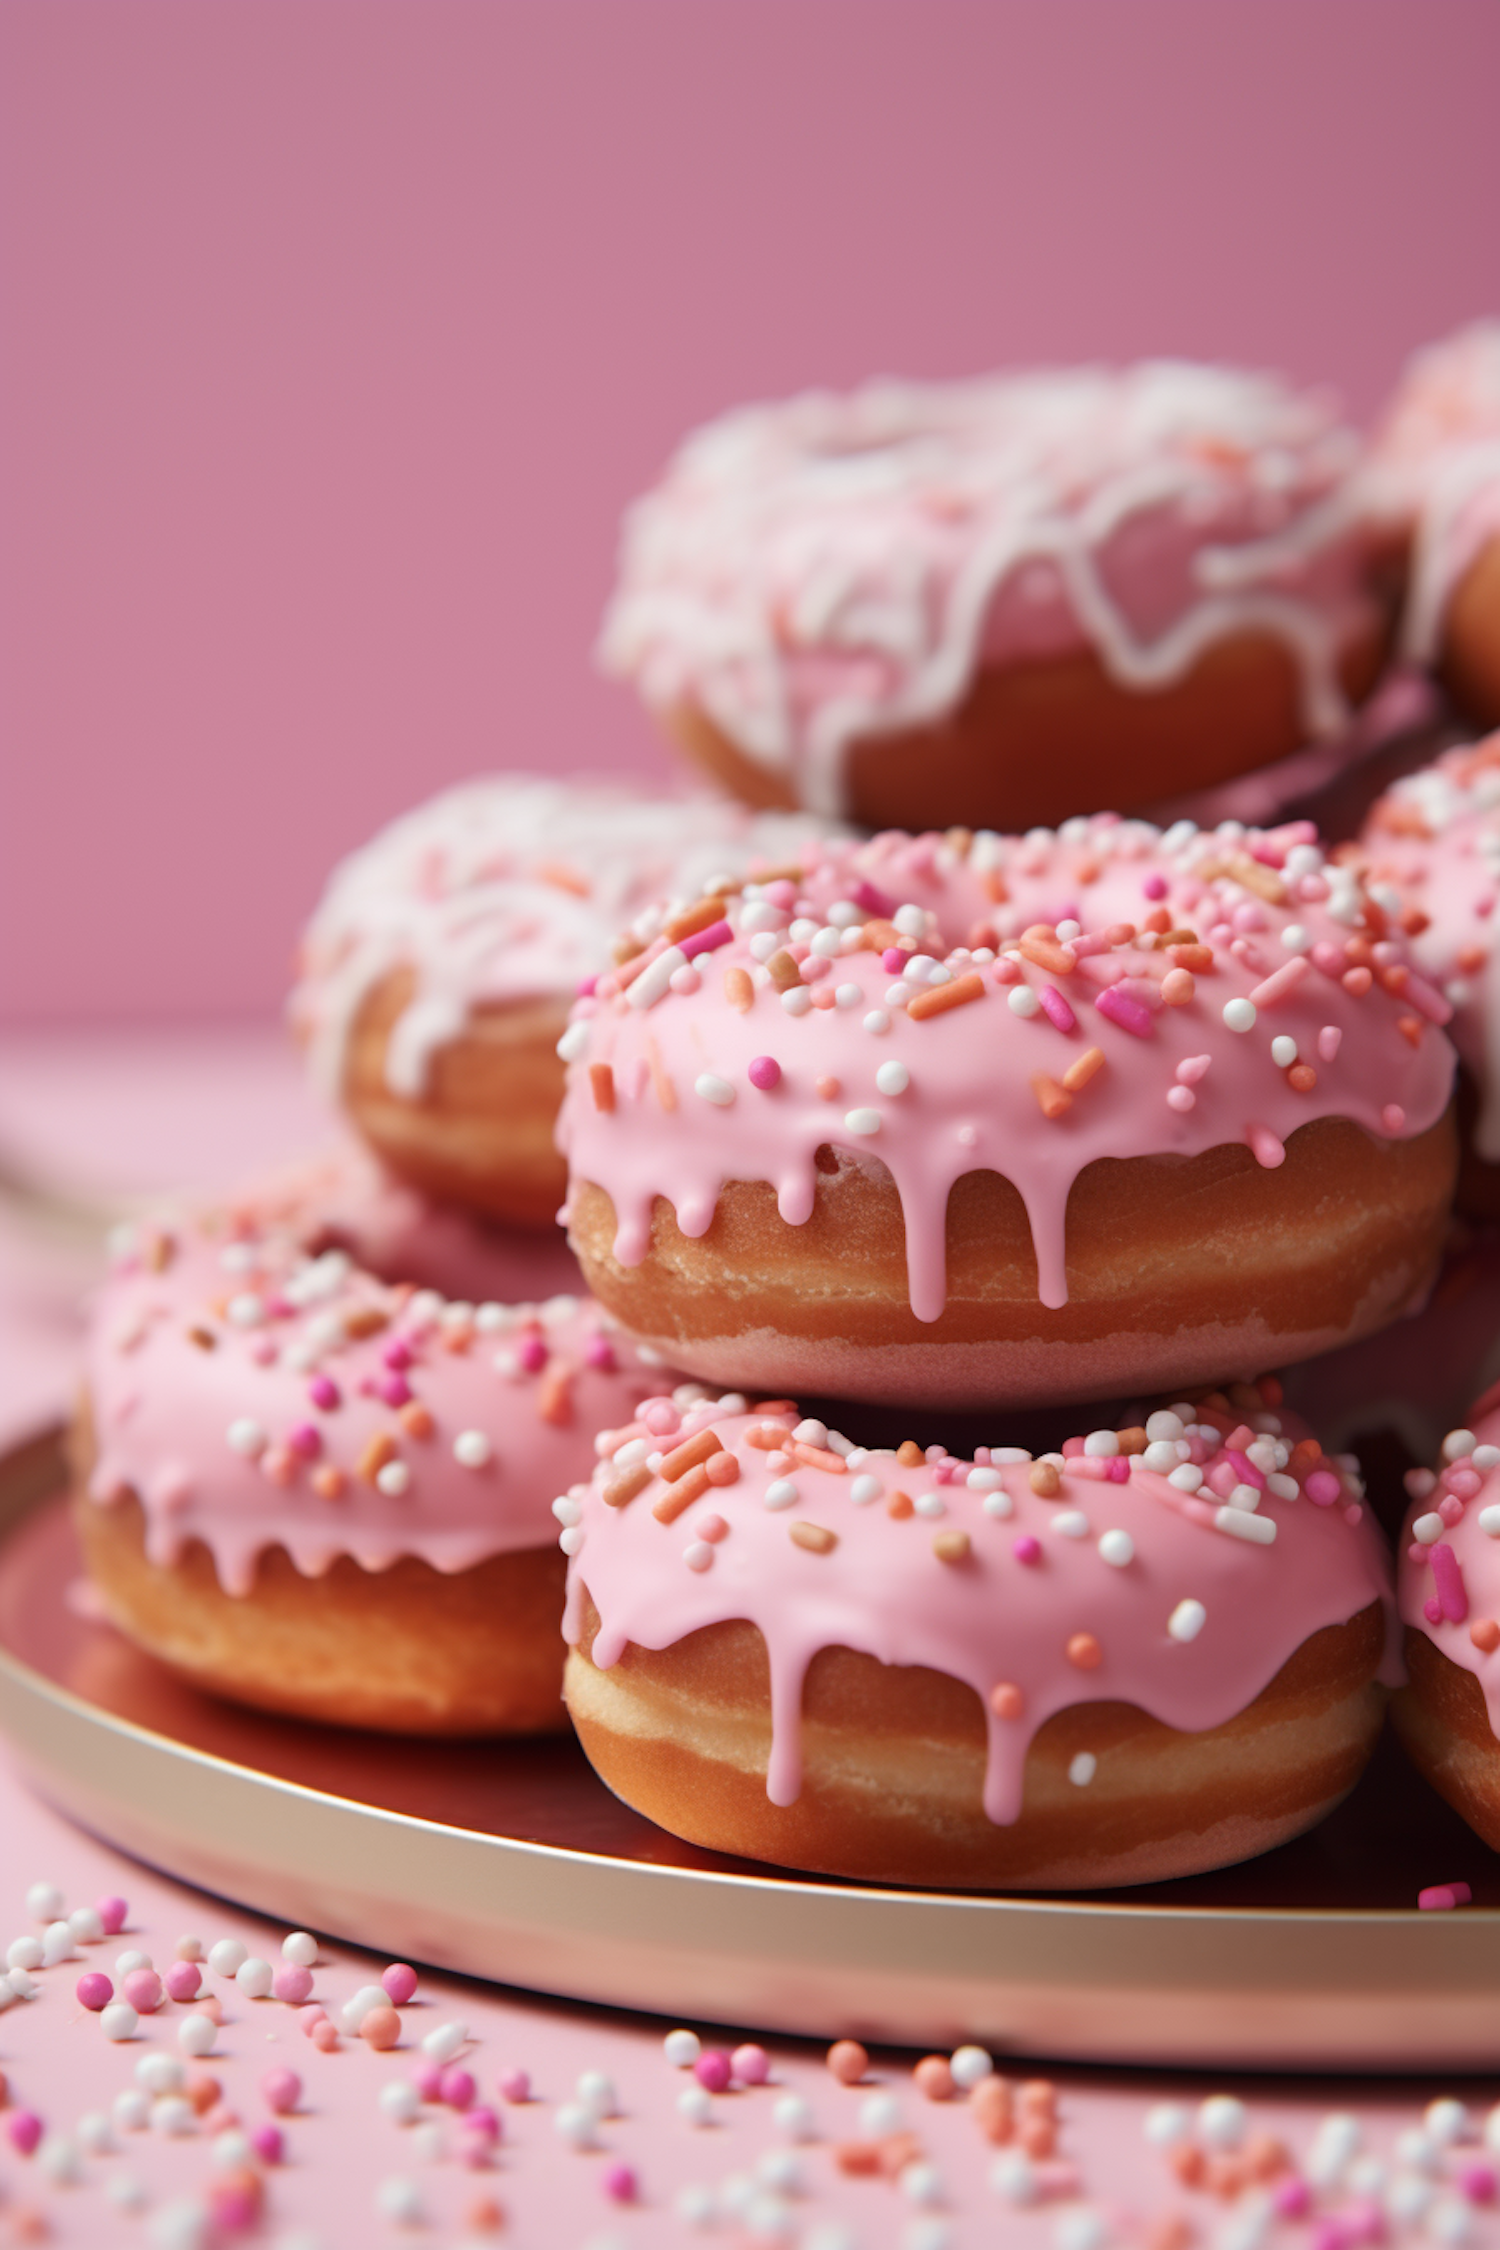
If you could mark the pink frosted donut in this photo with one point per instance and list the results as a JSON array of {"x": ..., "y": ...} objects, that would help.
[
  {"x": 1448, "y": 1594},
  {"x": 1190, "y": 1117},
  {"x": 314, "y": 1492},
  {"x": 437, "y": 971},
  {"x": 1436, "y": 471},
  {"x": 1155, "y": 1651},
  {"x": 1004, "y": 600}
]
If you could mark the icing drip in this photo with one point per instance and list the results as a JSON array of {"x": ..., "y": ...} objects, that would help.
[
  {"x": 505, "y": 889},
  {"x": 1178, "y": 1577},
  {"x": 1448, "y": 1565},
  {"x": 1260, "y": 991},
  {"x": 252, "y": 1396},
  {"x": 1436, "y": 468},
  {"x": 837, "y": 567}
]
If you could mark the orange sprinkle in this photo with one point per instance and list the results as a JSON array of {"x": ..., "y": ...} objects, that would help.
[
  {"x": 1158, "y": 920},
  {"x": 1302, "y": 1078},
  {"x": 365, "y": 1320},
  {"x": 1472, "y": 957},
  {"x": 1357, "y": 982},
  {"x": 783, "y": 971},
  {"x": 1198, "y": 958},
  {"x": 562, "y": 877},
  {"x": 661, "y": 1081},
  {"x": 204, "y": 1338},
  {"x": 847, "y": 2059},
  {"x": 1251, "y": 875},
  {"x": 1078, "y": 1074},
  {"x": 602, "y": 1083},
  {"x": 1410, "y": 1028},
  {"x": 1178, "y": 937},
  {"x": 1133, "y": 1440},
  {"x": 626, "y": 948},
  {"x": 937, "y": 999},
  {"x": 1305, "y": 1454},
  {"x": 994, "y": 883},
  {"x": 415, "y": 1419},
  {"x": 934, "y": 2077},
  {"x": 682, "y": 1495},
  {"x": 952, "y": 1546},
  {"x": 1084, "y": 1651},
  {"x": 1006, "y": 1700},
  {"x": 739, "y": 991},
  {"x": 1359, "y": 952},
  {"x": 770, "y": 1437},
  {"x": 990, "y": 2105},
  {"x": 1485, "y": 1634},
  {"x": 328, "y": 1482},
  {"x": 1038, "y": 2136},
  {"x": 1271, "y": 1392},
  {"x": 859, "y": 2160},
  {"x": 722, "y": 1469},
  {"x": 829, "y": 1089},
  {"x": 692, "y": 919},
  {"x": 815, "y": 1537},
  {"x": 1177, "y": 987},
  {"x": 688, "y": 1455},
  {"x": 380, "y": 1450},
  {"x": 817, "y": 1457},
  {"x": 1051, "y": 1099},
  {"x": 1394, "y": 977},
  {"x": 909, "y": 1454},
  {"x": 1044, "y": 1480},
  {"x": 881, "y": 936},
  {"x": 554, "y": 1396},
  {"x": 900, "y": 1505},
  {"x": 1043, "y": 948},
  {"x": 626, "y": 1486}
]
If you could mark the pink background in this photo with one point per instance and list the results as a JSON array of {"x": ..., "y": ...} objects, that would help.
[{"x": 337, "y": 334}]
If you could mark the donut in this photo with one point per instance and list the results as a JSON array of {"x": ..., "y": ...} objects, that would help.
[
  {"x": 1429, "y": 853},
  {"x": 1157, "y": 1650},
  {"x": 1436, "y": 471},
  {"x": 437, "y": 969},
  {"x": 1008, "y": 600},
  {"x": 827, "y": 1137},
  {"x": 318, "y": 1494},
  {"x": 1448, "y": 1595}
]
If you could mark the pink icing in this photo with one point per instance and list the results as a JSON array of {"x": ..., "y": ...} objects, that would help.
[
  {"x": 1435, "y": 467},
  {"x": 1431, "y": 847},
  {"x": 506, "y": 889},
  {"x": 841, "y": 566},
  {"x": 1448, "y": 1560},
  {"x": 1119, "y": 1556},
  {"x": 933, "y": 1096},
  {"x": 263, "y": 1438}
]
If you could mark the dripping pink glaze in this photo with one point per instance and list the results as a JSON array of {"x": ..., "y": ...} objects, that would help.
[
  {"x": 970, "y": 1104},
  {"x": 999, "y": 1616},
  {"x": 1434, "y": 840},
  {"x": 1463, "y": 1582},
  {"x": 1435, "y": 471},
  {"x": 162, "y": 1408},
  {"x": 506, "y": 889},
  {"x": 836, "y": 567}
]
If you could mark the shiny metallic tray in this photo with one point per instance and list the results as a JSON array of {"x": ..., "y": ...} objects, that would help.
[{"x": 512, "y": 1862}]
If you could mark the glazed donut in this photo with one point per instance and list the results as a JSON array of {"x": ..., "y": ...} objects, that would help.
[
  {"x": 1435, "y": 471},
  {"x": 314, "y": 1493},
  {"x": 1448, "y": 1595},
  {"x": 826, "y": 1138},
  {"x": 437, "y": 970},
  {"x": 1430, "y": 854},
  {"x": 1008, "y": 600},
  {"x": 1155, "y": 1651}
]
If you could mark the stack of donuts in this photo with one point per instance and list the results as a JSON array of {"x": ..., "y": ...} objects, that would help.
[{"x": 946, "y": 1165}]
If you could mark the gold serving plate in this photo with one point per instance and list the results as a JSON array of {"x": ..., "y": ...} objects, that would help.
[{"x": 513, "y": 1862}]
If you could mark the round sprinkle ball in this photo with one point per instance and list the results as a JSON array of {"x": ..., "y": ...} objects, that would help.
[{"x": 848, "y": 2061}]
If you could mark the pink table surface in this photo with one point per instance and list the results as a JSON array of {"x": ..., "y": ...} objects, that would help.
[{"x": 115, "y": 1116}]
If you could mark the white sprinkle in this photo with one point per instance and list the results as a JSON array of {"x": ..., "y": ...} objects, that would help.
[
  {"x": 573, "y": 1041},
  {"x": 910, "y": 921},
  {"x": 1221, "y": 2121},
  {"x": 793, "y": 2116},
  {"x": 1164, "y": 1425},
  {"x": 196, "y": 2034},
  {"x": 24, "y": 1953},
  {"x": 1283, "y": 1051},
  {"x": 1282, "y": 1488},
  {"x": 862, "y": 1121},
  {"x": 597, "y": 2093},
  {"x": 1022, "y": 1001},
  {"x": 1447, "y": 2121},
  {"x": 393, "y": 1480},
  {"x": 1103, "y": 1444},
  {"x": 893, "y": 1077},
  {"x": 245, "y": 1311},
  {"x": 443, "y": 2043},
  {"x": 1260, "y": 1531},
  {"x": 399, "y": 2100},
  {"x": 654, "y": 982},
  {"x": 983, "y": 1480},
  {"x": 1013, "y": 2176},
  {"x": 160, "y": 2074},
  {"x": 998, "y": 1504},
  {"x": 131, "y": 2110},
  {"x": 1082, "y": 1769},
  {"x": 1458, "y": 1444},
  {"x": 246, "y": 1437},
  {"x": 1167, "y": 2124},
  {"x": 848, "y": 995},
  {"x": 45, "y": 1902},
  {"x": 1187, "y": 1620},
  {"x": 1295, "y": 938},
  {"x": 1117, "y": 1547},
  {"x": 698, "y": 1555},
  {"x": 85, "y": 1926},
  {"x": 131, "y": 1958},
  {"x": 695, "y": 2105},
  {"x": 897, "y": 994},
  {"x": 863, "y": 1490},
  {"x": 566, "y": 1510},
  {"x": 1430, "y": 1527},
  {"x": 399, "y": 2200},
  {"x": 682, "y": 2049},
  {"x": 879, "y": 2114},
  {"x": 571, "y": 1538},
  {"x": 797, "y": 1001},
  {"x": 969, "y": 2065},
  {"x": 1245, "y": 1496},
  {"x": 714, "y": 1089},
  {"x": 119, "y": 2021},
  {"x": 1335, "y": 2142},
  {"x": 94, "y": 2134},
  {"x": 1484, "y": 1458},
  {"x": 472, "y": 1449},
  {"x": 174, "y": 2115},
  {"x": 1489, "y": 1522},
  {"x": 921, "y": 2183},
  {"x": 1071, "y": 1523},
  {"x": 1187, "y": 1477},
  {"x": 878, "y": 1020},
  {"x": 255, "y": 1978},
  {"x": 1160, "y": 1457},
  {"x": 1239, "y": 1015},
  {"x": 353, "y": 2012},
  {"x": 811, "y": 1432}
]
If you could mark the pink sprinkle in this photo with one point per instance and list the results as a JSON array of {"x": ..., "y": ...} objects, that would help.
[
  {"x": 1432, "y": 1610},
  {"x": 1448, "y": 1583},
  {"x": 781, "y": 892},
  {"x": 183, "y": 1980},
  {"x": 873, "y": 900},
  {"x": 1478, "y": 2181},
  {"x": 323, "y": 1391},
  {"x": 1439, "y": 1897},
  {"x": 112, "y": 1912},
  {"x": 765, "y": 1072},
  {"x": 325, "y": 2036},
  {"x": 1245, "y": 1469},
  {"x": 1451, "y": 1509},
  {"x": 1323, "y": 1488},
  {"x": 1192, "y": 1068},
  {"x": 484, "y": 2123},
  {"x": 1292, "y": 2198},
  {"x": 94, "y": 1991},
  {"x": 713, "y": 2069},
  {"x": 620, "y": 2184},
  {"x": 893, "y": 960},
  {"x": 143, "y": 1989},
  {"x": 1117, "y": 1470},
  {"x": 1182, "y": 1099},
  {"x": 268, "y": 2141},
  {"x": 588, "y": 986},
  {"x": 1330, "y": 1039},
  {"x": 514, "y": 2085},
  {"x": 706, "y": 941},
  {"x": 660, "y": 1417},
  {"x": 394, "y": 1389},
  {"x": 292, "y": 1983},
  {"x": 1055, "y": 1008},
  {"x": 456, "y": 2087},
  {"x": 281, "y": 2090},
  {"x": 397, "y": 1355},
  {"x": 310, "y": 2018},
  {"x": 712, "y": 1528},
  {"x": 25, "y": 2130},
  {"x": 533, "y": 1355},
  {"x": 1155, "y": 886},
  {"x": 1130, "y": 1014},
  {"x": 601, "y": 1354},
  {"x": 1281, "y": 982},
  {"x": 306, "y": 1441},
  {"x": 400, "y": 1982},
  {"x": 1393, "y": 1117},
  {"x": 235, "y": 2208},
  {"x": 1329, "y": 958},
  {"x": 428, "y": 2080},
  {"x": 1264, "y": 1147},
  {"x": 1464, "y": 1482},
  {"x": 751, "y": 2065},
  {"x": 1026, "y": 1549}
]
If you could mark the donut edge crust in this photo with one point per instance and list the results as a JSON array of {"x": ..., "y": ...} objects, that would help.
[
  {"x": 1470, "y": 661},
  {"x": 1443, "y": 1725}
]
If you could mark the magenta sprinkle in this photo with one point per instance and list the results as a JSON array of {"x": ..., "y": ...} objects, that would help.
[
  {"x": 281, "y": 2090},
  {"x": 893, "y": 960},
  {"x": 428, "y": 2080},
  {"x": 872, "y": 899},
  {"x": 394, "y": 1389},
  {"x": 399, "y": 1980},
  {"x": 514, "y": 2085},
  {"x": 1117, "y": 1470},
  {"x": 112, "y": 1912},
  {"x": 268, "y": 2141},
  {"x": 183, "y": 1980},
  {"x": 751, "y": 2065},
  {"x": 619, "y": 2184},
  {"x": 706, "y": 941},
  {"x": 306, "y": 1440},
  {"x": 588, "y": 986},
  {"x": 323, "y": 1391},
  {"x": 292, "y": 1982},
  {"x": 1432, "y": 1610},
  {"x": 601, "y": 1354},
  {"x": 1155, "y": 886},
  {"x": 25, "y": 2130},
  {"x": 94, "y": 1991},
  {"x": 1026, "y": 1549},
  {"x": 1439, "y": 1897},
  {"x": 713, "y": 2069},
  {"x": 143, "y": 1989},
  {"x": 1478, "y": 2182},
  {"x": 456, "y": 2087},
  {"x": 1292, "y": 2198},
  {"x": 1323, "y": 1488},
  {"x": 533, "y": 1355},
  {"x": 1124, "y": 1009},
  {"x": 765, "y": 1072},
  {"x": 484, "y": 2123},
  {"x": 397, "y": 1354},
  {"x": 1448, "y": 1582},
  {"x": 1055, "y": 1008},
  {"x": 1246, "y": 1471}
]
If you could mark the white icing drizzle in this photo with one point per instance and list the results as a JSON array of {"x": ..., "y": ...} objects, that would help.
[
  {"x": 840, "y": 566},
  {"x": 1436, "y": 467}
]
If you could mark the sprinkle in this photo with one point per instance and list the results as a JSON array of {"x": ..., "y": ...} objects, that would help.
[
  {"x": 1124, "y": 1009},
  {"x": 1267, "y": 1150},
  {"x": 1485, "y": 1635},
  {"x": 1022, "y": 1001},
  {"x": 1052, "y": 1099},
  {"x": 936, "y": 999},
  {"x": 862, "y": 1121},
  {"x": 1117, "y": 1547},
  {"x": 952, "y": 1546},
  {"x": 783, "y": 971},
  {"x": 1393, "y": 1118},
  {"x": 602, "y": 1085},
  {"x": 1181, "y": 1098},
  {"x": 654, "y": 981},
  {"x": 1187, "y": 1621},
  {"x": 1007, "y": 1700},
  {"x": 1280, "y": 984},
  {"x": 713, "y": 1089},
  {"x": 848, "y": 2061},
  {"x": 1260, "y": 1531},
  {"x": 764, "y": 1073},
  {"x": 782, "y": 1494},
  {"x": 1448, "y": 1583},
  {"x": 707, "y": 940},
  {"x": 814, "y": 1537},
  {"x": 1078, "y": 1074},
  {"x": 1043, "y": 1479},
  {"x": 625, "y": 1488},
  {"x": 1177, "y": 988},
  {"x": 472, "y": 1449},
  {"x": 1084, "y": 1650},
  {"x": 893, "y": 1077},
  {"x": 393, "y": 1480},
  {"x": 688, "y": 1456},
  {"x": 683, "y": 1493},
  {"x": 1082, "y": 1769},
  {"x": 1440, "y": 1898},
  {"x": 1239, "y": 1015},
  {"x": 1026, "y": 1549},
  {"x": 247, "y": 1438}
]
